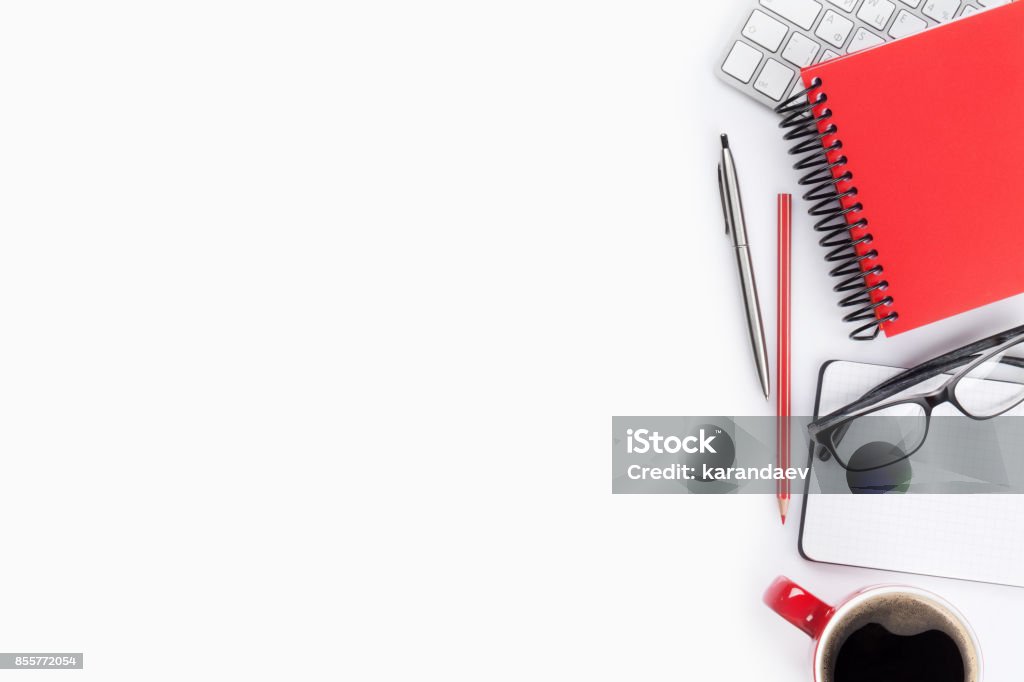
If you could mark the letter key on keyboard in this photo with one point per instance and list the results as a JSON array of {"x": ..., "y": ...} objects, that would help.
[
  {"x": 941, "y": 10},
  {"x": 800, "y": 12}
]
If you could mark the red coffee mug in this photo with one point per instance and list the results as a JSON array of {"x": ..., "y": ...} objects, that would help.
[{"x": 902, "y": 610}]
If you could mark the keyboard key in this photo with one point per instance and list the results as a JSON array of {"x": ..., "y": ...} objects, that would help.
[
  {"x": 863, "y": 39},
  {"x": 906, "y": 24},
  {"x": 742, "y": 62},
  {"x": 876, "y": 13},
  {"x": 765, "y": 31},
  {"x": 847, "y": 5},
  {"x": 827, "y": 55},
  {"x": 798, "y": 87},
  {"x": 941, "y": 10},
  {"x": 969, "y": 10},
  {"x": 993, "y": 3},
  {"x": 774, "y": 79},
  {"x": 801, "y": 50},
  {"x": 800, "y": 12},
  {"x": 911, "y": 3},
  {"x": 834, "y": 28}
]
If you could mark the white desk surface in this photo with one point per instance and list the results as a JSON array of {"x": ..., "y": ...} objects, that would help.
[{"x": 315, "y": 316}]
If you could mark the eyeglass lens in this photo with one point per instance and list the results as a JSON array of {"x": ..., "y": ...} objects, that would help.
[{"x": 994, "y": 386}]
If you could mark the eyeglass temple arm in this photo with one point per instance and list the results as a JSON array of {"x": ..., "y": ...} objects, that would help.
[
  {"x": 935, "y": 366},
  {"x": 916, "y": 375},
  {"x": 949, "y": 363},
  {"x": 932, "y": 368}
]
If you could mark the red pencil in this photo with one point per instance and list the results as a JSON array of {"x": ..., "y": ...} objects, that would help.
[{"x": 785, "y": 211}]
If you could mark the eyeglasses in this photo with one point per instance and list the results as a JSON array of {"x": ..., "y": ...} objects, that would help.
[{"x": 982, "y": 380}]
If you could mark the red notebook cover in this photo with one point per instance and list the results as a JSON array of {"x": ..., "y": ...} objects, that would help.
[{"x": 932, "y": 128}]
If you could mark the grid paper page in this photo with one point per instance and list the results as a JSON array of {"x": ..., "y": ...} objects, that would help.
[{"x": 971, "y": 537}]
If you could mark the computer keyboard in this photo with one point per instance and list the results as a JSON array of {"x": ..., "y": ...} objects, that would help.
[{"x": 778, "y": 37}]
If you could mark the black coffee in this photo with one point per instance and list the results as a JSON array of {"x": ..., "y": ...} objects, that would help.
[{"x": 873, "y": 654}]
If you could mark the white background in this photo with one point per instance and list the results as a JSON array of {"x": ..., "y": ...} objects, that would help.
[{"x": 315, "y": 317}]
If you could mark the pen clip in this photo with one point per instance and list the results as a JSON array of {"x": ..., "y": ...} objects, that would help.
[{"x": 725, "y": 199}]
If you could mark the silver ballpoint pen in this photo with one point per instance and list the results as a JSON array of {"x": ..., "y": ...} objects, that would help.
[{"x": 736, "y": 226}]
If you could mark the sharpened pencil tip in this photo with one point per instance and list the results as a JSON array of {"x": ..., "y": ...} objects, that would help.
[
  {"x": 725, "y": 141},
  {"x": 783, "y": 509},
  {"x": 783, "y": 519}
]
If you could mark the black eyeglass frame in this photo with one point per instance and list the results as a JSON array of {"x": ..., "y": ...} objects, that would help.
[{"x": 823, "y": 431}]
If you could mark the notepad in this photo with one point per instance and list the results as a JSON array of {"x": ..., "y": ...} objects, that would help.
[
  {"x": 918, "y": 199},
  {"x": 970, "y": 537}
]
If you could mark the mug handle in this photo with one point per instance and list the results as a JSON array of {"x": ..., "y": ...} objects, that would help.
[{"x": 798, "y": 606}]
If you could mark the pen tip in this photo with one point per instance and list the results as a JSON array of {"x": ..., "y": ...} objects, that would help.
[{"x": 725, "y": 141}]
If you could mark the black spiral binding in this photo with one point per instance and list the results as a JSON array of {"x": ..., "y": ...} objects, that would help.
[{"x": 802, "y": 125}]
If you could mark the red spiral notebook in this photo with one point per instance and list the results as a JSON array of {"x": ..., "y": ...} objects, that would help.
[{"x": 925, "y": 149}]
